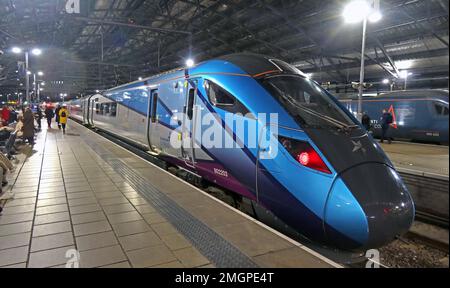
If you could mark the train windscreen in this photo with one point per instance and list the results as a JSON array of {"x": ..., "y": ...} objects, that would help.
[{"x": 306, "y": 101}]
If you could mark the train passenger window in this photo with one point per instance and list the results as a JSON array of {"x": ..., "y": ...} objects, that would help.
[
  {"x": 97, "y": 108},
  {"x": 223, "y": 99},
  {"x": 107, "y": 108},
  {"x": 113, "y": 109},
  {"x": 190, "y": 108}
]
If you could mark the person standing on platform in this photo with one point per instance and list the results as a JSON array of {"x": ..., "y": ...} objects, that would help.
[
  {"x": 49, "y": 114},
  {"x": 63, "y": 114},
  {"x": 58, "y": 108},
  {"x": 5, "y": 115},
  {"x": 28, "y": 126},
  {"x": 386, "y": 121},
  {"x": 365, "y": 121},
  {"x": 39, "y": 117}
]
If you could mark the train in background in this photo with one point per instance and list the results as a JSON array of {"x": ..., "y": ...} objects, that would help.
[
  {"x": 329, "y": 181},
  {"x": 419, "y": 115}
]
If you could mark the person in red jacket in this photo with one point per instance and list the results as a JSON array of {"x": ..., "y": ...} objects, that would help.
[{"x": 5, "y": 115}]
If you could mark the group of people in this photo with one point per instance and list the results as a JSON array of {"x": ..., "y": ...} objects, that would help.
[
  {"x": 61, "y": 113},
  {"x": 22, "y": 123},
  {"x": 386, "y": 121}
]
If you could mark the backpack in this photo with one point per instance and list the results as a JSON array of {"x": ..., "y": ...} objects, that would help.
[{"x": 63, "y": 114}]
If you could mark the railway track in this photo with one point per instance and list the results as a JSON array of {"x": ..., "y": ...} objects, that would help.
[{"x": 430, "y": 194}]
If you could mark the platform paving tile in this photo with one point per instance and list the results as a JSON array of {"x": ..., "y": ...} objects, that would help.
[
  {"x": 18, "y": 209},
  {"x": 98, "y": 240},
  {"x": 20, "y": 202},
  {"x": 52, "y": 218},
  {"x": 91, "y": 228},
  {"x": 144, "y": 209},
  {"x": 140, "y": 240},
  {"x": 80, "y": 194},
  {"x": 52, "y": 228},
  {"x": 51, "y": 195},
  {"x": 88, "y": 217},
  {"x": 24, "y": 195},
  {"x": 124, "y": 217},
  {"x": 113, "y": 201},
  {"x": 70, "y": 190},
  {"x": 52, "y": 209},
  {"x": 49, "y": 258},
  {"x": 175, "y": 241},
  {"x": 82, "y": 201},
  {"x": 124, "y": 264},
  {"x": 174, "y": 264},
  {"x": 138, "y": 201},
  {"x": 164, "y": 228},
  {"x": 110, "y": 194},
  {"x": 15, "y": 240},
  {"x": 153, "y": 218},
  {"x": 13, "y": 255},
  {"x": 190, "y": 257},
  {"x": 16, "y": 218},
  {"x": 151, "y": 256},
  {"x": 16, "y": 266},
  {"x": 15, "y": 228},
  {"x": 257, "y": 241},
  {"x": 102, "y": 256},
  {"x": 289, "y": 258},
  {"x": 51, "y": 202},
  {"x": 129, "y": 228},
  {"x": 84, "y": 209},
  {"x": 51, "y": 241},
  {"x": 51, "y": 188},
  {"x": 118, "y": 208}
]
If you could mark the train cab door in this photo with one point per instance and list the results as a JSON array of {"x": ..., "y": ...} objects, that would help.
[
  {"x": 188, "y": 128},
  {"x": 153, "y": 127}
]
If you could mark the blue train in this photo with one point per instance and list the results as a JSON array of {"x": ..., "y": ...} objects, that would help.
[
  {"x": 328, "y": 180},
  {"x": 420, "y": 115}
]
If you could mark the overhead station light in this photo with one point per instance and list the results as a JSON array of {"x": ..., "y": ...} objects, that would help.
[
  {"x": 16, "y": 50},
  {"x": 404, "y": 74},
  {"x": 190, "y": 63},
  {"x": 36, "y": 51},
  {"x": 386, "y": 81},
  {"x": 40, "y": 73},
  {"x": 358, "y": 10}
]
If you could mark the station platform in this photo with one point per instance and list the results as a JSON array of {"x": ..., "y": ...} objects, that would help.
[
  {"x": 81, "y": 193},
  {"x": 427, "y": 159}
]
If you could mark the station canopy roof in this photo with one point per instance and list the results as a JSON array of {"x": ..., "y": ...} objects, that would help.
[{"x": 112, "y": 42}]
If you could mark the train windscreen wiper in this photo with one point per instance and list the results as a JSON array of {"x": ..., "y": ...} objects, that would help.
[{"x": 334, "y": 122}]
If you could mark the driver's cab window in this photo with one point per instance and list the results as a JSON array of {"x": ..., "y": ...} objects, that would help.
[{"x": 440, "y": 109}]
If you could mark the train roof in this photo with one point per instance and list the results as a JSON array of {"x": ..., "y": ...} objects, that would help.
[
  {"x": 416, "y": 93},
  {"x": 248, "y": 64},
  {"x": 407, "y": 94}
]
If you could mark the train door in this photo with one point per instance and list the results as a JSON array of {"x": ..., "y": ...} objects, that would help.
[
  {"x": 153, "y": 127},
  {"x": 187, "y": 146}
]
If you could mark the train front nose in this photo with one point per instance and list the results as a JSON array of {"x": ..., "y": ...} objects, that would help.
[{"x": 368, "y": 207}]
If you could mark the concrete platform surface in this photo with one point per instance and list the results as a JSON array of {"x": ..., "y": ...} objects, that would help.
[{"x": 419, "y": 157}]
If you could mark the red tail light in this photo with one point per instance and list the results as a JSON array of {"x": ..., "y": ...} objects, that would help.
[{"x": 304, "y": 154}]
